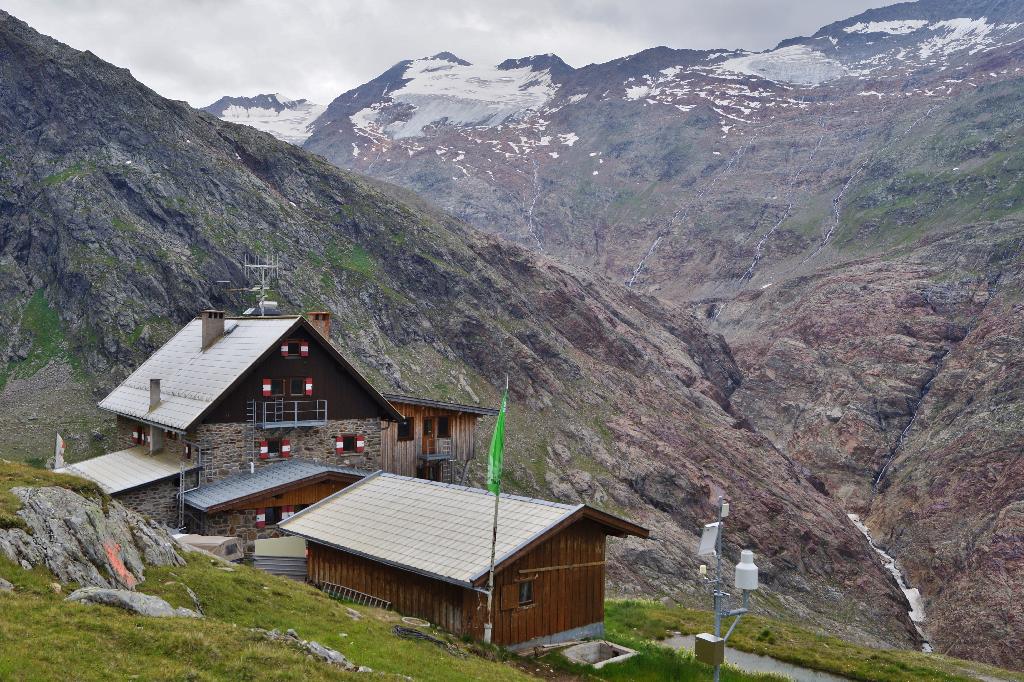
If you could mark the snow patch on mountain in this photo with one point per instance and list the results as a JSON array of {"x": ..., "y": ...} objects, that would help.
[
  {"x": 954, "y": 35},
  {"x": 286, "y": 119},
  {"x": 901, "y": 27},
  {"x": 796, "y": 64},
  {"x": 457, "y": 93}
]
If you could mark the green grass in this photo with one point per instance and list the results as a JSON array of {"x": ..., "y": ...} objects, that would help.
[
  {"x": 46, "y": 638},
  {"x": 72, "y": 171},
  {"x": 48, "y": 341},
  {"x": 633, "y": 620},
  {"x": 15, "y": 475},
  {"x": 353, "y": 258}
]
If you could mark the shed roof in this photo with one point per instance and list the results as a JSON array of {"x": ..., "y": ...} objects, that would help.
[
  {"x": 264, "y": 480},
  {"x": 120, "y": 471},
  {"x": 436, "y": 529},
  {"x": 440, "y": 404},
  {"x": 192, "y": 380}
]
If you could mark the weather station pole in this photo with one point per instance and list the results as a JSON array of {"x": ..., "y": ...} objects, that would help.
[{"x": 710, "y": 648}]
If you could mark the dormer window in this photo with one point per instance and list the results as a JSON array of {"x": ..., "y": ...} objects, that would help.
[{"x": 295, "y": 348}]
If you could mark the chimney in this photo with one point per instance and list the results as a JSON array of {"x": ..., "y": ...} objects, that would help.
[
  {"x": 321, "y": 321},
  {"x": 213, "y": 326},
  {"x": 154, "y": 393}
]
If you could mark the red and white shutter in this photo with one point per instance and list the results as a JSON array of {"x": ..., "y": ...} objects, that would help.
[
  {"x": 267, "y": 388},
  {"x": 264, "y": 449},
  {"x": 304, "y": 349},
  {"x": 136, "y": 436},
  {"x": 339, "y": 444},
  {"x": 261, "y": 518},
  {"x": 287, "y": 512},
  {"x": 309, "y": 385},
  {"x": 360, "y": 442},
  {"x": 284, "y": 349},
  {"x": 286, "y": 448}
]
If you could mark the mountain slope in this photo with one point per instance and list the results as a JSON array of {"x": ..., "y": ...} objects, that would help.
[
  {"x": 122, "y": 209},
  {"x": 839, "y": 207}
]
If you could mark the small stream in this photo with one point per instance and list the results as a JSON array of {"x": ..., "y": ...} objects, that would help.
[
  {"x": 756, "y": 663},
  {"x": 912, "y": 594}
]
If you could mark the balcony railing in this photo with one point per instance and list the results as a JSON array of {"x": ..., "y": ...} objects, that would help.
[{"x": 286, "y": 414}]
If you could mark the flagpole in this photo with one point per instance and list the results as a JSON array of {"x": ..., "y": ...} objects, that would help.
[
  {"x": 490, "y": 580},
  {"x": 489, "y": 626}
]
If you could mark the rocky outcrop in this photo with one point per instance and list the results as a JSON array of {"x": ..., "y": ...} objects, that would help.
[
  {"x": 314, "y": 649},
  {"x": 89, "y": 542},
  {"x": 136, "y": 602}
]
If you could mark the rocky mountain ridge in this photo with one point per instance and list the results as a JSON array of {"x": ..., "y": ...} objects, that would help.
[
  {"x": 122, "y": 210},
  {"x": 844, "y": 208}
]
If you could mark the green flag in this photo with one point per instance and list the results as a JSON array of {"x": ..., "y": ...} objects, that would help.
[{"x": 497, "y": 455}]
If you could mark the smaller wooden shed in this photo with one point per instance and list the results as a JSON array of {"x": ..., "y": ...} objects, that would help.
[{"x": 424, "y": 547}]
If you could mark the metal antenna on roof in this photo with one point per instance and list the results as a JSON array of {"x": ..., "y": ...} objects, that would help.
[{"x": 262, "y": 271}]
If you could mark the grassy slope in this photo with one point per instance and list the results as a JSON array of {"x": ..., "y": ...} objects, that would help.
[
  {"x": 97, "y": 642},
  {"x": 630, "y": 621}
]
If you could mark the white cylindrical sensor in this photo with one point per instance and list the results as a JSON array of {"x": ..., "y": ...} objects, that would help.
[{"x": 746, "y": 571}]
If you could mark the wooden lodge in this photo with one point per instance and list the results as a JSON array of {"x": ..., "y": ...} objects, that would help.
[{"x": 423, "y": 548}]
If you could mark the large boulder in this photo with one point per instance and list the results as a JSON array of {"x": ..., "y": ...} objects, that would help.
[
  {"x": 88, "y": 542},
  {"x": 136, "y": 602}
]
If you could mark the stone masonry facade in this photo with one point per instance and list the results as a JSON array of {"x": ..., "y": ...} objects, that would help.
[
  {"x": 240, "y": 524},
  {"x": 157, "y": 501},
  {"x": 227, "y": 448}
]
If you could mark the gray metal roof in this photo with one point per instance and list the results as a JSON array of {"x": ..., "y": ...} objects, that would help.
[
  {"x": 436, "y": 529},
  {"x": 265, "y": 478},
  {"x": 454, "y": 407},
  {"x": 120, "y": 471},
  {"x": 191, "y": 379}
]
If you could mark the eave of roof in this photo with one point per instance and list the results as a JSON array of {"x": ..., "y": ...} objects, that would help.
[
  {"x": 328, "y": 473},
  {"x": 454, "y": 407}
]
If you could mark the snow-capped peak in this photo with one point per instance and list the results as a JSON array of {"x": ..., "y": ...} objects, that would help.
[{"x": 285, "y": 118}]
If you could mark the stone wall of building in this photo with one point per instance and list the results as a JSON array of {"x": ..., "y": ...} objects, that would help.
[
  {"x": 227, "y": 448},
  {"x": 157, "y": 501},
  {"x": 240, "y": 524},
  {"x": 125, "y": 426}
]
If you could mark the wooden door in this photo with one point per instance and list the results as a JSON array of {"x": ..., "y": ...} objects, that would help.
[{"x": 429, "y": 436}]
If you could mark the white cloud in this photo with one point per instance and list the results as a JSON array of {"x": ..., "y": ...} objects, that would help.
[{"x": 198, "y": 50}]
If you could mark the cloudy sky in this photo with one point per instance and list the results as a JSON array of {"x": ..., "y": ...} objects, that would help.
[{"x": 198, "y": 50}]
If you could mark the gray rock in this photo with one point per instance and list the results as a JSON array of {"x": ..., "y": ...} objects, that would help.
[
  {"x": 314, "y": 649},
  {"x": 136, "y": 602},
  {"x": 79, "y": 542},
  {"x": 6, "y": 586},
  {"x": 667, "y": 601}
]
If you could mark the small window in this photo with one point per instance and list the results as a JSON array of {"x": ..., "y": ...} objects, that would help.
[
  {"x": 273, "y": 515},
  {"x": 277, "y": 387},
  {"x": 525, "y": 592},
  {"x": 428, "y": 426},
  {"x": 443, "y": 429},
  {"x": 291, "y": 348},
  {"x": 405, "y": 429},
  {"x": 274, "y": 447},
  {"x": 297, "y": 386},
  {"x": 348, "y": 443}
]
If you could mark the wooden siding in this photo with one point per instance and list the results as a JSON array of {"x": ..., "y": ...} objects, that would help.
[
  {"x": 570, "y": 596},
  {"x": 564, "y": 598},
  {"x": 307, "y": 494},
  {"x": 346, "y": 399},
  {"x": 401, "y": 457},
  {"x": 410, "y": 594}
]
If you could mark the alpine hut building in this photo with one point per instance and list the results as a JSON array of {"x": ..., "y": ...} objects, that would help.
[
  {"x": 236, "y": 423},
  {"x": 423, "y": 548}
]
